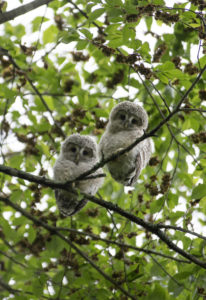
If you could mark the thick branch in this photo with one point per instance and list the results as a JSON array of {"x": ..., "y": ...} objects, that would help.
[
  {"x": 21, "y": 10},
  {"x": 153, "y": 228}
]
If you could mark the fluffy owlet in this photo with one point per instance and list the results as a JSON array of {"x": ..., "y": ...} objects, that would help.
[
  {"x": 78, "y": 154},
  {"x": 127, "y": 122}
]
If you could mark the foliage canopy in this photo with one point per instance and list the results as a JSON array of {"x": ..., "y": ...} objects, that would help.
[{"x": 62, "y": 74}]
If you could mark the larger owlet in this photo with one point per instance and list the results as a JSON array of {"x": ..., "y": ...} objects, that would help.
[
  {"x": 127, "y": 122},
  {"x": 78, "y": 154}
]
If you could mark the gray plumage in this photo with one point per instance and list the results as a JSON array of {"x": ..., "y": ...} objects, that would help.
[
  {"x": 78, "y": 155},
  {"x": 127, "y": 122}
]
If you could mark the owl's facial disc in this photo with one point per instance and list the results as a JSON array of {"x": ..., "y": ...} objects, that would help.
[{"x": 71, "y": 152}]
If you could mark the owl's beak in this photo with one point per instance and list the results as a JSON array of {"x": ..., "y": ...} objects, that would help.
[
  {"x": 126, "y": 124},
  {"x": 77, "y": 159}
]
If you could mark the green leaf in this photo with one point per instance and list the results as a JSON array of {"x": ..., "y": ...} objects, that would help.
[
  {"x": 96, "y": 14},
  {"x": 50, "y": 34},
  {"x": 36, "y": 23},
  {"x": 70, "y": 36},
  {"x": 157, "y": 205},
  {"x": 87, "y": 33},
  {"x": 82, "y": 44},
  {"x": 148, "y": 22},
  {"x": 199, "y": 191},
  {"x": 158, "y": 293}
]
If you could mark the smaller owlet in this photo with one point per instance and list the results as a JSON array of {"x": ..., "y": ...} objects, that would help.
[
  {"x": 78, "y": 155},
  {"x": 127, "y": 122}
]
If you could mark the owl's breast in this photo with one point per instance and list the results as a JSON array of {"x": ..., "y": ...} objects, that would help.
[
  {"x": 111, "y": 143},
  {"x": 122, "y": 169}
]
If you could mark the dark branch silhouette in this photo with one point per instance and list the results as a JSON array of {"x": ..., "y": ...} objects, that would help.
[
  {"x": 153, "y": 228},
  {"x": 21, "y": 10},
  {"x": 53, "y": 230}
]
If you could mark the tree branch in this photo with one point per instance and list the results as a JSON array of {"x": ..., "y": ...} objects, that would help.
[
  {"x": 21, "y": 10},
  {"x": 162, "y": 226},
  {"x": 153, "y": 228},
  {"x": 53, "y": 230},
  {"x": 122, "y": 245}
]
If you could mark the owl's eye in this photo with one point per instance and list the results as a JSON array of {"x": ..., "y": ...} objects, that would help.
[
  {"x": 135, "y": 121},
  {"x": 73, "y": 149},
  {"x": 85, "y": 152},
  {"x": 122, "y": 117}
]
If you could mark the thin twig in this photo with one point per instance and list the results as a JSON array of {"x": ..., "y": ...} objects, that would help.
[
  {"x": 165, "y": 271},
  {"x": 162, "y": 226},
  {"x": 13, "y": 259},
  {"x": 53, "y": 230},
  {"x": 122, "y": 245},
  {"x": 153, "y": 228}
]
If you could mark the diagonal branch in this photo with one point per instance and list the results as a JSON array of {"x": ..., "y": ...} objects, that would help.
[
  {"x": 53, "y": 230},
  {"x": 153, "y": 228},
  {"x": 21, "y": 10}
]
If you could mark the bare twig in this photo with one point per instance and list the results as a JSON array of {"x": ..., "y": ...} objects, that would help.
[
  {"x": 165, "y": 271},
  {"x": 162, "y": 226},
  {"x": 122, "y": 245},
  {"x": 21, "y": 10},
  {"x": 12, "y": 259}
]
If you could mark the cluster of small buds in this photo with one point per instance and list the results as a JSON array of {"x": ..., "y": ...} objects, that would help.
[
  {"x": 199, "y": 137},
  {"x": 129, "y": 59},
  {"x": 108, "y": 51},
  {"x": 202, "y": 94},
  {"x": 117, "y": 78},
  {"x": 79, "y": 56},
  {"x": 165, "y": 184},
  {"x": 154, "y": 161},
  {"x": 177, "y": 61},
  {"x": 191, "y": 69},
  {"x": 144, "y": 71},
  {"x": 166, "y": 17},
  {"x": 159, "y": 52}
]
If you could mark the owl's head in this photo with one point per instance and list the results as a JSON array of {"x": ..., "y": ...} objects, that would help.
[
  {"x": 79, "y": 148},
  {"x": 127, "y": 116}
]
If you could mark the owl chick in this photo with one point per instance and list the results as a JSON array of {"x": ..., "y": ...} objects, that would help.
[
  {"x": 78, "y": 155},
  {"x": 127, "y": 122}
]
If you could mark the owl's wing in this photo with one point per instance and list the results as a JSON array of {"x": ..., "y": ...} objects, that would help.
[
  {"x": 68, "y": 203},
  {"x": 146, "y": 151},
  {"x": 142, "y": 159},
  {"x": 137, "y": 169}
]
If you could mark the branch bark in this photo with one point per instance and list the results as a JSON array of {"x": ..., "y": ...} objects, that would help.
[
  {"x": 53, "y": 230},
  {"x": 21, "y": 10},
  {"x": 153, "y": 228}
]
